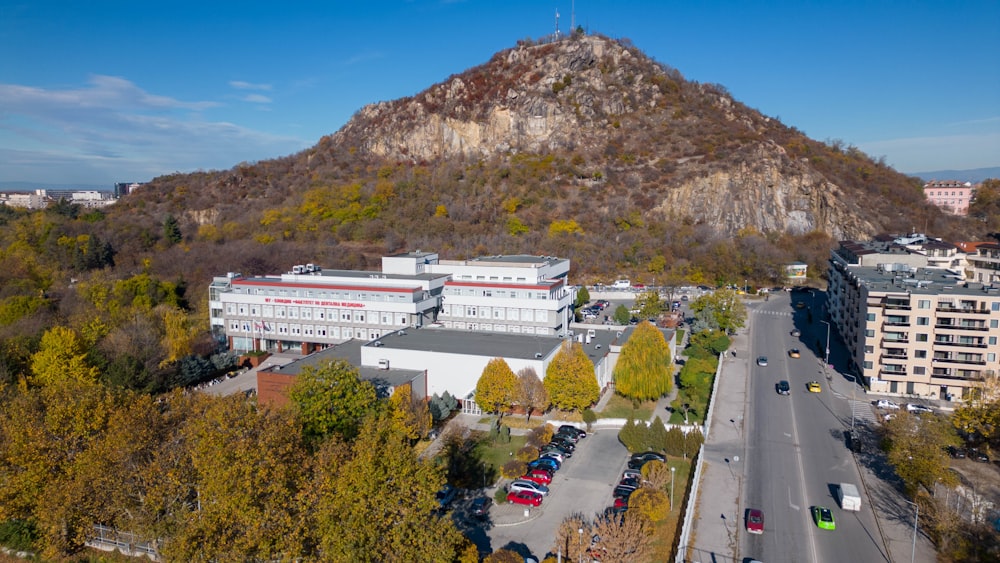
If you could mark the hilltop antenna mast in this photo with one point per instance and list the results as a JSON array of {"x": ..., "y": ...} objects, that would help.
[{"x": 556, "y": 34}]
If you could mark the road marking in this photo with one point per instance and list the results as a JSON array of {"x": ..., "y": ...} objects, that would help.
[
  {"x": 787, "y": 435},
  {"x": 790, "y": 503},
  {"x": 802, "y": 479}
]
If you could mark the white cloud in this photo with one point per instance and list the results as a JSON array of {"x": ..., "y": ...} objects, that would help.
[
  {"x": 256, "y": 99},
  {"x": 947, "y": 152},
  {"x": 112, "y": 130},
  {"x": 241, "y": 85}
]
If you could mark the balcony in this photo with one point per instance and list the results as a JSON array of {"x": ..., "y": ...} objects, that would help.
[
  {"x": 957, "y": 326},
  {"x": 896, "y": 322},
  {"x": 899, "y": 355},
  {"x": 967, "y": 360},
  {"x": 887, "y": 373},
  {"x": 897, "y": 306},
  {"x": 896, "y": 340},
  {"x": 952, "y": 379},
  {"x": 977, "y": 344},
  {"x": 969, "y": 310}
]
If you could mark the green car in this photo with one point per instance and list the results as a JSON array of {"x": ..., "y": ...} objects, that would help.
[{"x": 824, "y": 518}]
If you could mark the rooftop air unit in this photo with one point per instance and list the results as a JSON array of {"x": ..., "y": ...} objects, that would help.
[{"x": 383, "y": 364}]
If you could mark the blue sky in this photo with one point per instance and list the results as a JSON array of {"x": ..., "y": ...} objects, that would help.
[{"x": 98, "y": 92}]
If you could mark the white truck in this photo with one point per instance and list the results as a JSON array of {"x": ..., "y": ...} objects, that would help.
[{"x": 848, "y": 497}]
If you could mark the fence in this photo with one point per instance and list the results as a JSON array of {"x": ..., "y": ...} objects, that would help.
[{"x": 109, "y": 539}]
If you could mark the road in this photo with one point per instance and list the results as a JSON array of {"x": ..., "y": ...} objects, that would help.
[{"x": 795, "y": 448}]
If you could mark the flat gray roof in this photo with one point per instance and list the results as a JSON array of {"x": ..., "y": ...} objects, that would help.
[
  {"x": 349, "y": 351},
  {"x": 516, "y": 259},
  {"x": 921, "y": 281},
  {"x": 450, "y": 341}
]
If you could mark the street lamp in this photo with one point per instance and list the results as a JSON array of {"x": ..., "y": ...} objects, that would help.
[
  {"x": 580, "y": 556},
  {"x": 826, "y": 359},
  {"x": 916, "y": 515},
  {"x": 672, "y": 471}
]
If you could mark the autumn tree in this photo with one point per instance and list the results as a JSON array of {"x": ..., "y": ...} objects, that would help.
[
  {"x": 61, "y": 355},
  {"x": 570, "y": 379},
  {"x": 624, "y": 539},
  {"x": 378, "y": 500},
  {"x": 645, "y": 369},
  {"x": 331, "y": 399},
  {"x": 531, "y": 393},
  {"x": 497, "y": 388},
  {"x": 978, "y": 418},
  {"x": 648, "y": 304},
  {"x": 411, "y": 415},
  {"x": 573, "y": 537},
  {"x": 721, "y": 310},
  {"x": 915, "y": 447}
]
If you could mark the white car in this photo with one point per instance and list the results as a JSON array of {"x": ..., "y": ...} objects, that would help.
[
  {"x": 525, "y": 485},
  {"x": 762, "y": 361},
  {"x": 554, "y": 454},
  {"x": 886, "y": 404},
  {"x": 913, "y": 407}
]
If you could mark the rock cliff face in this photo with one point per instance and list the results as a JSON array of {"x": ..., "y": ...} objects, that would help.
[{"x": 689, "y": 148}]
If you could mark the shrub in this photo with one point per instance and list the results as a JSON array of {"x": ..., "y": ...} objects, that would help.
[
  {"x": 19, "y": 535},
  {"x": 527, "y": 453},
  {"x": 589, "y": 417},
  {"x": 513, "y": 469},
  {"x": 651, "y": 503},
  {"x": 540, "y": 435},
  {"x": 500, "y": 497}
]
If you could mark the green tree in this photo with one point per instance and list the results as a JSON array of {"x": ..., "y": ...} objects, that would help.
[
  {"x": 331, "y": 399},
  {"x": 570, "y": 379},
  {"x": 979, "y": 417},
  {"x": 582, "y": 296},
  {"x": 379, "y": 501},
  {"x": 648, "y": 304},
  {"x": 622, "y": 315},
  {"x": 497, "y": 388},
  {"x": 721, "y": 309},
  {"x": 172, "y": 230},
  {"x": 61, "y": 355},
  {"x": 645, "y": 369}
]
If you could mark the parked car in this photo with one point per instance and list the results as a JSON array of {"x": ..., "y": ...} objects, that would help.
[
  {"x": 552, "y": 452},
  {"x": 762, "y": 360},
  {"x": 823, "y": 518},
  {"x": 528, "y": 498},
  {"x": 565, "y": 445},
  {"x": 480, "y": 507},
  {"x": 525, "y": 485},
  {"x": 446, "y": 495},
  {"x": 796, "y": 332},
  {"x": 782, "y": 387},
  {"x": 975, "y": 454},
  {"x": 567, "y": 437},
  {"x": 633, "y": 482},
  {"x": 640, "y": 459},
  {"x": 545, "y": 463},
  {"x": 956, "y": 452},
  {"x": 794, "y": 353},
  {"x": 886, "y": 404},
  {"x": 813, "y": 387},
  {"x": 915, "y": 408},
  {"x": 632, "y": 474},
  {"x": 569, "y": 428},
  {"x": 889, "y": 416},
  {"x": 755, "y": 521},
  {"x": 623, "y": 491},
  {"x": 540, "y": 476}
]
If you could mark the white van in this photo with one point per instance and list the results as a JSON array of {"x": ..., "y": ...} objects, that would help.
[
  {"x": 849, "y": 497},
  {"x": 622, "y": 284}
]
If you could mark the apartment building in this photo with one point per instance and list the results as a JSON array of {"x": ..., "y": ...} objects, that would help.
[
  {"x": 984, "y": 263},
  {"x": 951, "y": 195},
  {"x": 310, "y": 307},
  {"x": 911, "y": 329}
]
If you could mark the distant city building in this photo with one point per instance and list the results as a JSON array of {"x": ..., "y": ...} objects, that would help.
[
  {"x": 122, "y": 189},
  {"x": 951, "y": 195},
  {"x": 41, "y": 198}
]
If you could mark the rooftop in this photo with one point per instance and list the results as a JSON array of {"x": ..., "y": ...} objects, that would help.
[
  {"x": 448, "y": 341},
  {"x": 351, "y": 352},
  {"x": 917, "y": 281}
]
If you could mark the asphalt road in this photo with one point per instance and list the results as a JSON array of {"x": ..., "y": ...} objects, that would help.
[
  {"x": 583, "y": 485},
  {"x": 795, "y": 451}
]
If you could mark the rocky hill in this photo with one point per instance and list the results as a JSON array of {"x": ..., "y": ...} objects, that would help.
[{"x": 567, "y": 147}]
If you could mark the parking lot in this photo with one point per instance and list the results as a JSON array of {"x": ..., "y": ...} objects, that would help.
[{"x": 583, "y": 485}]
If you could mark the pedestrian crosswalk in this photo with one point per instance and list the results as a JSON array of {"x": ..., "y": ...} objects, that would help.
[
  {"x": 773, "y": 313},
  {"x": 862, "y": 411}
]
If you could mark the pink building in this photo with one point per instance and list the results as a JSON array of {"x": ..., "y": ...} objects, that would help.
[{"x": 951, "y": 195}]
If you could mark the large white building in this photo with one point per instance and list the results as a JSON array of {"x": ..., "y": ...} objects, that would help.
[{"x": 311, "y": 307}]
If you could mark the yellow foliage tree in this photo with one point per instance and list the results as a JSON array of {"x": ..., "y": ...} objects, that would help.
[
  {"x": 61, "y": 356},
  {"x": 440, "y": 211},
  {"x": 565, "y": 227}
]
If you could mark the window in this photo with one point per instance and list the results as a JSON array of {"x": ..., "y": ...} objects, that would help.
[
  {"x": 870, "y": 317},
  {"x": 924, "y": 304},
  {"x": 923, "y": 321},
  {"x": 869, "y": 349},
  {"x": 995, "y": 306},
  {"x": 868, "y": 365},
  {"x": 920, "y": 353},
  {"x": 919, "y": 370},
  {"x": 921, "y": 338},
  {"x": 870, "y": 333},
  {"x": 991, "y": 357},
  {"x": 994, "y": 323},
  {"x": 993, "y": 341}
]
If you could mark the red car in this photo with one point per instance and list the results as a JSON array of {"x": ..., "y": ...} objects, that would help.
[
  {"x": 540, "y": 476},
  {"x": 525, "y": 497},
  {"x": 755, "y": 521},
  {"x": 621, "y": 503}
]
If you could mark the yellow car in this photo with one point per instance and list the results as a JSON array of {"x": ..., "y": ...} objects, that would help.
[
  {"x": 813, "y": 387},
  {"x": 794, "y": 353}
]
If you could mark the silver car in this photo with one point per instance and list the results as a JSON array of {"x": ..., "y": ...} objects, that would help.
[{"x": 525, "y": 485}]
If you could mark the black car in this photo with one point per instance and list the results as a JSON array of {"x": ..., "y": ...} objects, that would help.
[
  {"x": 623, "y": 492},
  {"x": 978, "y": 455},
  {"x": 956, "y": 452},
  {"x": 638, "y": 460},
  {"x": 630, "y": 482},
  {"x": 782, "y": 387},
  {"x": 566, "y": 436},
  {"x": 480, "y": 507},
  {"x": 555, "y": 448},
  {"x": 569, "y": 428},
  {"x": 563, "y": 443},
  {"x": 852, "y": 440}
]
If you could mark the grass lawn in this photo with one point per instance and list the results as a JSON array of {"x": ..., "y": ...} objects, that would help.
[
  {"x": 668, "y": 528},
  {"x": 493, "y": 456},
  {"x": 620, "y": 407}
]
